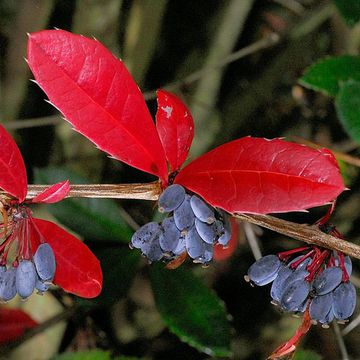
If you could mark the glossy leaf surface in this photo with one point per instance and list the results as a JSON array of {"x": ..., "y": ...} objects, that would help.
[
  {"x": 78, "y": 270},
  {"x": 13, "y": 323},
  {"x": 348, "y": 108},
  {"x": 53, "y": 193},
  {"x": 93, "y": 219},
  {"x": 259, "y": 176},
  {"x": 327, "y": 74},
  {"x": 175, "y": 126},
  {"x": 13, "y": 178},
  {"x": 98, "y": 97},
  {"x": 191, "y": 310}
]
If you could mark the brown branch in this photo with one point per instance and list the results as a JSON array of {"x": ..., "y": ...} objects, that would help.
[
  {"x": 307, "y": 233},
  {"x": 150, "y": 191}
]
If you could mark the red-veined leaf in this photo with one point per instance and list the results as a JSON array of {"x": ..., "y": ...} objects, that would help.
[
  {"x": 53, "y": 193},
  {"x": 78, "y": 270},
  {"x": 13, "y": 323},
  {"x": 259, "y": 176},
  {"x": 224, "y": 252},
  {"x": 98, "y": 97},
  {"x": 175, "y": 126},
  {"x": 13, "y": 177}
]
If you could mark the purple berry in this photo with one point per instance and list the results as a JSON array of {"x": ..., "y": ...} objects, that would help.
[
  {"x": 264, "y": 270},
  {"x": 171, "y": 198},
  {"x": 202, "y": 210},
  {"x": 44, "y": 260},
  {"x": 25, "y": 278}
]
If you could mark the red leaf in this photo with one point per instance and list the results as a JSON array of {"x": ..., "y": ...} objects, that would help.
[
  {"x": 175, "y": 126},
  {"x": 13, "y": 177},
  {"x": 223, "y": 253},
  {"x": 259, "y": 176},
  {"x": 98, "y": 97},
  {"x": 13, "y": 323},
  {"x": 78, "y": 271},
  {"x": 53, "y": 193}
]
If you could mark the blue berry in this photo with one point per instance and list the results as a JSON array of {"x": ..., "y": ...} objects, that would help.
[
  {"x": 226, "y": 235},
  {"x": 153, "y": 252},
  {"x": 321, "y": 308},
  {"x": 41, "y": 286},
  {"x": 7, "y": 284},
  {"x": 25, "y": 278},
  {"x": 344, "y": 300},
  {"x": 207, "y": 254},
  {"x": 181, "y": 245},
  {"x": 44, "y": 260},
  {"x": 280, "y": 283},
  {"x": 206, "y": 231},
  {"x": 202, "y": 210},
  {"x": 170, "y": 235},
  {"x": 194, "y": 244},
  {"x": 328, "y": 280},
  {"x": 294, "y": 295},
  {"x": 264, "y": 270},
  {"x": 145, "y": 235},
  {"x": 171, "y": 198},
  {"x": 348, "y": 265},
  {"x": 184, "y": 216}
]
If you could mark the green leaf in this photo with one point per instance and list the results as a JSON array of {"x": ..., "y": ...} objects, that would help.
[
  {"x": 327, "y": 74},
  {"x": 348, "y": 108},
  {"x": 306, "y": 355},
  {"x": 349, "y": 10},
  {"x": 94, "y": 219},
  {"x": 119, "y": 266},
  {"x": 191, "y": 310},
  {"x": 84, "y": 355}
]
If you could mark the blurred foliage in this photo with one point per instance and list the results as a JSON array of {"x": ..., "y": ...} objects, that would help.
[{"x": 145, "y": 311}]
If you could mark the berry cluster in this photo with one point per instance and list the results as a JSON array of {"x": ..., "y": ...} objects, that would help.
[
  {"x": 317, "y": 279},
  {"x": 28, "y": 271},
  {"x": 192, "y": 226},
  {"x": 25, "y": 276}
]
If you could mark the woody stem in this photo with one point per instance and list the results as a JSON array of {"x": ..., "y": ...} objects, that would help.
[{"x": 150, "y": 191}]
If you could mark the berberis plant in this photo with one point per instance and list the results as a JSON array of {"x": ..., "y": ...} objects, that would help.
[{"x": 256, "y": 176}]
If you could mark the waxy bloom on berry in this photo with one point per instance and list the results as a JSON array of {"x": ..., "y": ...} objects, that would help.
[{"x": 34, "y": 252}]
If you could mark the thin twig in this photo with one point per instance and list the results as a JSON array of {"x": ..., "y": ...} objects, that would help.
[
  {"x": 292, "y": 5},
  {"x": 307, "y": 233},
  {"x": 261, "y": 44},
  {"x": 150, "y": 191},
  {"x": 252, "y": 240},
  {"x": 36, "y": 122},
  {"x": 341, "y": 343},
  {"x": 351, "y": 326},
  {"x": 66, "y": 314}
]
